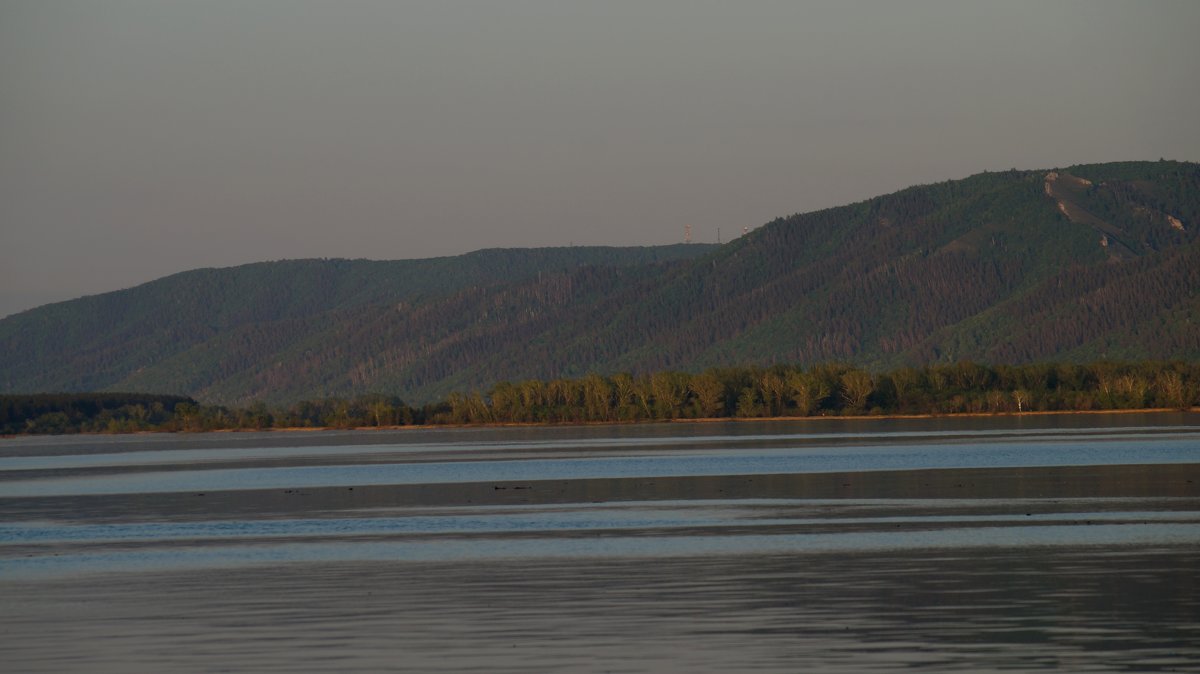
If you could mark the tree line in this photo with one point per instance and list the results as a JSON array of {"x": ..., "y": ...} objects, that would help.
[
  {"x": 88, "y": 412},
  {"x": 736, "y": 392}
]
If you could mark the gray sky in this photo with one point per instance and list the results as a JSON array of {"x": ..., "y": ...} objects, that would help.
[{"x": 142, "y": 138}]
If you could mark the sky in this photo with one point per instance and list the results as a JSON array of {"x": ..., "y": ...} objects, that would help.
[{"x": 140, "y": 138}]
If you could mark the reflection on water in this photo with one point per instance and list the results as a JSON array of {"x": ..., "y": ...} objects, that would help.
[
  {"x": 952, "y": 545},
  {"x": 993, "y": 610},
  {"x": 660, "y": 529}
]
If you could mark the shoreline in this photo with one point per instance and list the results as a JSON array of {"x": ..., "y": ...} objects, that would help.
[
  {"x": 699, "y": 420},
  {"x": 704, "y": 420},
  {"x": 717, "y": 420}
]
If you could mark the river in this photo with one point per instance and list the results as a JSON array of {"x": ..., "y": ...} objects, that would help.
[{"x": 954, "y": 544}]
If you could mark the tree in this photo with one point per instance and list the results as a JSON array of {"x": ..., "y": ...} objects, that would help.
[
  {"x": 669, "y": 391},
  {"x": 856, "y": 388},
  {"x": 708, "y": 394},
  {"x": 597, "y": 396},
  {"x": 1169, "y": 385},
  {"x": 749, "y": 403},
  {"x": 382, "y": 413},
  {"x": 807, "y": 391},
  {"x": 459, "y": 408},
  {"x": 623, "y": 395},
  {"x": 643, "y": 393},
  {"x": 773, "y": 388},
  {"x": 187, "y": 416},
  {"x": 533, "y": 400},
  {"x": 506, "y": 402},
  {"x": 1021, "y": 397}
]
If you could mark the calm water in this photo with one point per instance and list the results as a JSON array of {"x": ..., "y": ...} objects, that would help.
[{"x": 956, "y": 545}]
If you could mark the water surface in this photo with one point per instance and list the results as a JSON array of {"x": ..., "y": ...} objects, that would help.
[{"x": 1014, "y": 544}]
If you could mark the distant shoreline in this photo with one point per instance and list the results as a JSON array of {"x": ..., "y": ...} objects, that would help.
[
  {"x": 636, "y": 422},
  {"x": 644, "y": 422},
  {"x": 735, "y": 394},
  {"x": 712, "y": 420}
]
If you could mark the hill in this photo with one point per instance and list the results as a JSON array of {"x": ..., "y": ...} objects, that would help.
[
  {"x": 1075, "y": 264},
  {"x": 242, "y": 314}
]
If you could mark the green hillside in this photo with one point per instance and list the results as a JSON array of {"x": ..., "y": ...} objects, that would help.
[
  {"x": 1086, "y": 262},
  {"x": 245, "y": 313}
]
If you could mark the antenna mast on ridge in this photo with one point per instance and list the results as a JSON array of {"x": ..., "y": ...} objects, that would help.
[{"x": 687, "y": 233}]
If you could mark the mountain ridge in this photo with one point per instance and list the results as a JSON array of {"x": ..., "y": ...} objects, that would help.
[{"x": 1072, "y": 263}]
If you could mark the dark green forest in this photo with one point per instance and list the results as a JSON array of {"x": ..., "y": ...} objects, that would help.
[
  {"x": 1073, "y": 265},
  {"x": 55, "y": 413},
  {"x": 745, "y": 392}
]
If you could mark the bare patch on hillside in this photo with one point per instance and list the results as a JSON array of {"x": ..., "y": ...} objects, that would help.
[
  {"x": 1152, "y": 214},
  {"x": 1065, "y": 189}
]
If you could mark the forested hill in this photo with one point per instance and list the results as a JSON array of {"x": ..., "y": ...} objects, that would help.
[
  {"x": 240, "y": 317},
  {"x": 1075, "y": 264}
]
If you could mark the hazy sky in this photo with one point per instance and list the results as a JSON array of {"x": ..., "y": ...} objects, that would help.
[{"x": 142, "y": 138}]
